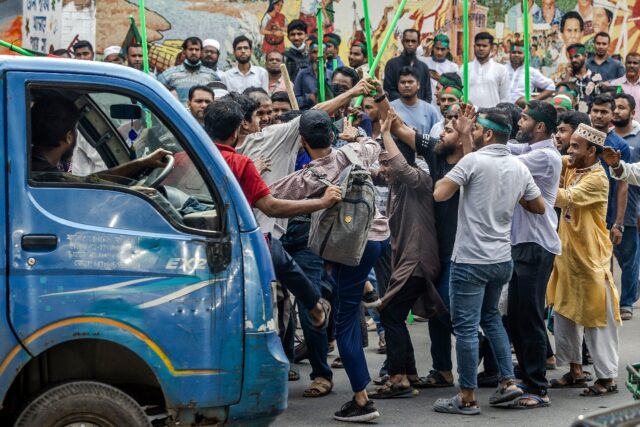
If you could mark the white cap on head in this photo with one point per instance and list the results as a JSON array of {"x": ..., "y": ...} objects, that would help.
[
  {"x": 111, "y": 50},
  {"x": 211, "y": 43}
]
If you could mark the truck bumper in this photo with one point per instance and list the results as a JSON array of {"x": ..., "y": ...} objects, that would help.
[{"x": 265, "y": 381}]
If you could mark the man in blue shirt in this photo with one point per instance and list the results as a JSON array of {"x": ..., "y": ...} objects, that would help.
[
  {"x": 415, "y": 112},
  {"x": 601, "y": 63},
  {"x": 601, "y": 119},
  {"x": 625, "y": 252}
]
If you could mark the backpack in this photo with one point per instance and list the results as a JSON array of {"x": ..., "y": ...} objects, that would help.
[{"x": 339, "y": 234}]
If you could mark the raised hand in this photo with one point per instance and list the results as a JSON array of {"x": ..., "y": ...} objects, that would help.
[{"x": 611, "y": 157}]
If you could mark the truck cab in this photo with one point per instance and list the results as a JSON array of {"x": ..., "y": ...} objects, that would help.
[{"x": 127, "y": 300}]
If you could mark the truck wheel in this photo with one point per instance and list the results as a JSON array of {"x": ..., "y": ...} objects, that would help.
[{"x": 83, "y": 403}]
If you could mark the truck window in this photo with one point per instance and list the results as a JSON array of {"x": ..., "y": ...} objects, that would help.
[{"x": 110, "y": 140}]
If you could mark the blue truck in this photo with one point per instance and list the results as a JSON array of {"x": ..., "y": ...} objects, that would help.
[{"x": 127, "y": 301}]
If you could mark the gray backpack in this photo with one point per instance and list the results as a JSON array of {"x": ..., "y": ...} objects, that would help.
[{"x": 339, "y": 234}]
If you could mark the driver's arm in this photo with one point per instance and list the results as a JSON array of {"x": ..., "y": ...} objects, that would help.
[{"x": 135, "y": 167}]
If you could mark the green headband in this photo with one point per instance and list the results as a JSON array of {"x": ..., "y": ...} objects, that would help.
[
  {"x": 515, "y": 48},
  {"x": 452, "y": 90},
  {"x": 490, "y": 124},
  {"x": 570, "y": 91},
  {"x": 577, "y": 49},
  {"x": 539, "y": 116},
  {"x": 361, "y": 46}
]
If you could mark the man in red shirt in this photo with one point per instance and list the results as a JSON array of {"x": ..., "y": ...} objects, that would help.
[{"x": 221, "y": 122}]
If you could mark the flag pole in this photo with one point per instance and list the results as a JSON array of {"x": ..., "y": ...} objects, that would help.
[
  {"x": 465, "y": 49},
  {"x": 527, "y": 81},
  {"x": 16, "y": 49},
  {"x": 367, "y": 31},
  {"x": 143, "y": 35},
  {"x": 321, "y": 94},
  {"x": 383, "y": 46}
]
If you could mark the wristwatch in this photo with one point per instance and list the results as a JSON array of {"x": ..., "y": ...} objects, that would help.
[{"x": 619, "y": 227}]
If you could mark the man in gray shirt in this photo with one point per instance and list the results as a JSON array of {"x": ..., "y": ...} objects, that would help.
[
  {"x": 491, "y": 183},
  {"x": 535, "y": 246}
]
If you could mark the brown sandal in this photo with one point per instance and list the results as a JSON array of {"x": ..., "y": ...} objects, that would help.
[
  {"x": 600, "y": 388},
  {"x": 319, "y": 387}
]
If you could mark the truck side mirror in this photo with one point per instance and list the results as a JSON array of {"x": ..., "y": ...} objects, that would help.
[{"x": 125, "y": 111}]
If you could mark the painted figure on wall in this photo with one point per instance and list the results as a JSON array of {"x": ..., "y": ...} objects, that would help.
[{"x": 273, "y": 28}]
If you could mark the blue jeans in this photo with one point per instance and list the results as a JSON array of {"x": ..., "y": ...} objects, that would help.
[
  {"x": 316, "y": 340},
  {"x": 627, "y": 255},
  {"x": 349, "y": 285},
  {"x": 440, "y": 327},
  {"x": 474, "y": 294}
]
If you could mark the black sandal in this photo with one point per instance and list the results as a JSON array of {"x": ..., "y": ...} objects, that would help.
[
  {"x": 606, "y": 387},
  {"x": 434, "y": 380},
  {"x": 391, "y": 390},
  {"x": 570, "y": 382}
]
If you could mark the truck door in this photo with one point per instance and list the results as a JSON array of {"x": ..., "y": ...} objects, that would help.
[{"x": 150, "y": 262}]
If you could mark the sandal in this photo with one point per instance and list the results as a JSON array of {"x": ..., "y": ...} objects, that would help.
[
  {"x": 568, "y": 381},
  {"x": 337, "y": 363},
  {"x": 434, "y": 380},
  {"x": 390, "y": 390},
  {"x": 503, "y": 394},
  {"x": 539, "y": 402},
  {"x": 294, "y": 375},
  {"x": 319, "y": 387},
  {"x": 455, "y": 405},
  {"x": 382, "y": 380},
  {"x": 326, "y": 308},
  {"x": 600, "y": 388}
]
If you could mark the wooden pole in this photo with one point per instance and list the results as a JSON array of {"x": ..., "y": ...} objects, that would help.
[{"x": 289, "y": 86}]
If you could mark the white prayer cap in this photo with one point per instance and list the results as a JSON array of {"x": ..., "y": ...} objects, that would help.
[
  {"x": 592, "y": 135},
  {"x": 111, "y": 50},
  {"x": 211, "y": 43}
]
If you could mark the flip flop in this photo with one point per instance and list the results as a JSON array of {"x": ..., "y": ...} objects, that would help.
[
  {"x": 540, "y": 402},
  {"x": 456, "y": 406},
  {"x": 391, "y": 390}
]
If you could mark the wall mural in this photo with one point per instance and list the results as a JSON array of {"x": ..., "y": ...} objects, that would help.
[{"x": 554, "y": 24}]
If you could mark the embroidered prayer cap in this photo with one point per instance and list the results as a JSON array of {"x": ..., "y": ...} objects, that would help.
[
  {"x": 111, "y": 50},
  {"x": 577, "y": 49},
  {"x": 592, "y": 135},
  {"x": 211, "y": 43}
]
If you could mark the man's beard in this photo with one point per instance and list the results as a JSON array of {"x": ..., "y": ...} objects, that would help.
[
  {"x": 66, "y": 157},
  {"x": 575, "y": 68},
  {"x": 243, "y": 60},
  {"x": 444, "y": 149},
  {"x": 210, "y": 64},
  {"x": 621, "y": 122},
  {"x": 273, "y": 72},
  {"x": 524, "y": 137},
  {"x": 190, "y": 64},
  {"x": 408, "y": 59}
]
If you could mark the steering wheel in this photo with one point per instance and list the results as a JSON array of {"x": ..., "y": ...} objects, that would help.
[{"x": 163, "y": 174}]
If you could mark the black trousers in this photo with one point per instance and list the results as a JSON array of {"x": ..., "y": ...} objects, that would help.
[
  {"x": 532, "y": 266},
  {"x": 400, "y": 355}
]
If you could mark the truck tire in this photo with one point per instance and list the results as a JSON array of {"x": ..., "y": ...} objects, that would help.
[{"x": 83, "y": 402}]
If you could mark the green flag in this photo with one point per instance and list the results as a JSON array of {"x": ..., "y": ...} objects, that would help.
[{"x": 132, "y": 37}]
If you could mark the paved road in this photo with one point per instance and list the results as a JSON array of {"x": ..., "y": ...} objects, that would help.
[{"x": 566, "y": 405}]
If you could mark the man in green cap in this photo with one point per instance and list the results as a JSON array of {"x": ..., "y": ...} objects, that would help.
[
  {"x": 589, "y": 84},
  {"x": 439, "y": 62}
]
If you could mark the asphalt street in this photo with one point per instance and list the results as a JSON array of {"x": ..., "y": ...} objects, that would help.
[{"x": 566, "y": 405}]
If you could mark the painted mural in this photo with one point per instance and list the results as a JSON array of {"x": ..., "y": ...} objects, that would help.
[{"x": 554, "y": 23}]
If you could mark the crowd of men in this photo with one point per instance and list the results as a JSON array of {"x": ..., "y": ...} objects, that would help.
[{"x": 470, "y": 197}]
